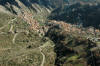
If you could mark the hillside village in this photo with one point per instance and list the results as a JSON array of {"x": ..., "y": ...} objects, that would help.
[{"x": 49, "y": 33}]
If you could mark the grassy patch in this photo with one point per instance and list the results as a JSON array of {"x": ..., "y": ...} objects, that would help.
[
  {"x": 5, "y": 18},
  {"x": 73, "y": 58},
  {"x": 6, "y": 40}
]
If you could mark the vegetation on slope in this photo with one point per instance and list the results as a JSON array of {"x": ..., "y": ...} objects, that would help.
[
  {"x": 20, "y": 46},
  {"x": 85, "y": 14},
  {"x": 72, "y": 48},
  {"x": 67, "y": 45}
]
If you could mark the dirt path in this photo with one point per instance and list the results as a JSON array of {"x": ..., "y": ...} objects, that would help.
[
  {"x": 2, "y": 33},
  {"x": 43, "y": 55},
  {"x": 4, "y": 49},
  {"x": 43, "y": 61},
  {"x": 7, "y": 23},
  {"x": 11, "y": 28},
  {"x": 13, "y": 40}
]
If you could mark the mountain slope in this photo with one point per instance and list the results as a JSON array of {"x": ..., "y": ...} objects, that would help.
[
  {"x": 83, "y": 13},
  {"x": 22, "y": 46},
  {"x": 29, "y": 38}
]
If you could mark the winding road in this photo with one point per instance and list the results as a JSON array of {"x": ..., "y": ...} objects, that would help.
[
  {"x": 43, "y": 61},
  {"x": 13, "y": 40},
  {"x": 11, "y": 28},
  {"x": 8, "y": 23},
  {"x": 43, "y": 55}
]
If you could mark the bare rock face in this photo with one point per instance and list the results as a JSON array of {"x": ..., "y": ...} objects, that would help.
[
  {"x": 17, "y": 6},
  {"x": 34, "y": 12},
  {"x": 37, "y": 8}
]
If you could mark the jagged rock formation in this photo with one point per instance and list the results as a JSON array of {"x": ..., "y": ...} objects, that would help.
[{"x": 16, "y": 6}]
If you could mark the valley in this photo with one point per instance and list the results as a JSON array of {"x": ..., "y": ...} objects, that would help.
[{"x": 49, "y": 33}]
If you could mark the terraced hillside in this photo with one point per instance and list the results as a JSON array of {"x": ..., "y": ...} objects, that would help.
[
  {"x": 49, "y": 33},
  {"x": 20, "y": 46}
]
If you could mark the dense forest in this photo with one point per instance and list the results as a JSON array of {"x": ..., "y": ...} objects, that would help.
[{"x": 87, "y": 15}]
